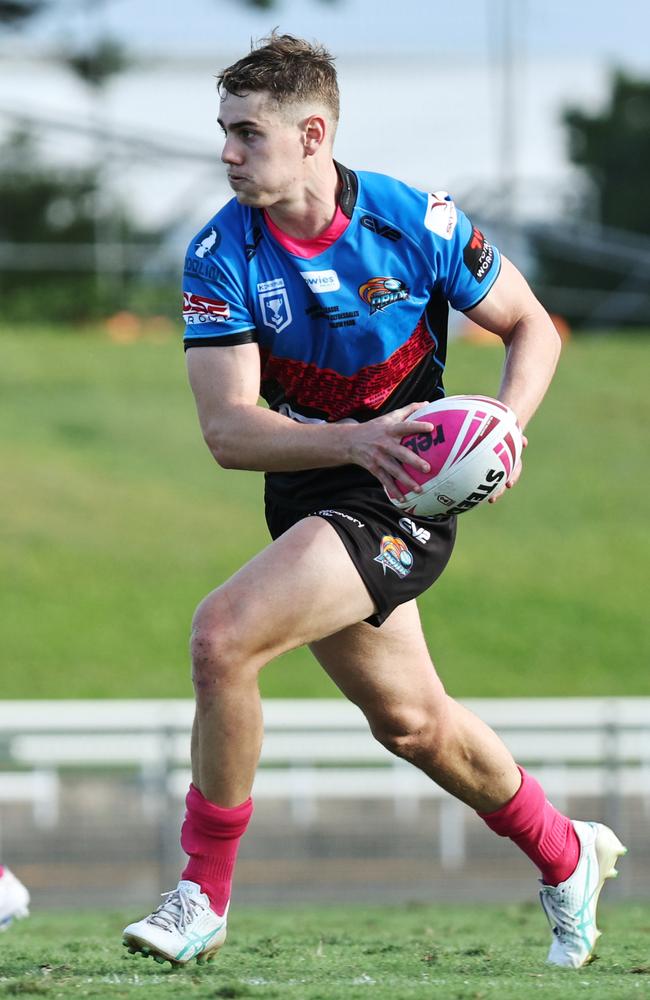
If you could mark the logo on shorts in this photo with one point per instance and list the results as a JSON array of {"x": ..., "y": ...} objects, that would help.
[
  {"x": 340, "y": 513},
  {"x": 274, "y": 303},
  {"x": 419, "y": 534},
  {"x": 394, "y": 554},
  {"x": 382, "y": 292}
]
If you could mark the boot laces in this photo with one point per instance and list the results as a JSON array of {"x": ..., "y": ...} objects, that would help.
[{"x": 177, "y": 911}]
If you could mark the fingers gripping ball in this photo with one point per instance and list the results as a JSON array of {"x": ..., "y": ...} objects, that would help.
[{"x": 473, "y": 450}]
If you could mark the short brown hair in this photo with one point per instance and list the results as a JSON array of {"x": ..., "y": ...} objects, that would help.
[{"x": 290, "y": 69}]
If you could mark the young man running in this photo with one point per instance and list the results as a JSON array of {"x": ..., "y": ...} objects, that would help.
[{"x": 326, "y": 291}]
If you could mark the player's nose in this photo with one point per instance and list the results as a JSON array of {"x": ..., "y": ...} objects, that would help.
[{"x": 230, "y": 152}]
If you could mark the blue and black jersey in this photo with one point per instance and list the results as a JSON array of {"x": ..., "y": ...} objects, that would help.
[{"x": 349, "y": 334}]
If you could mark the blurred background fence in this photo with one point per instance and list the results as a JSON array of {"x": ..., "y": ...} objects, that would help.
[{"x": 92, "y": 797}]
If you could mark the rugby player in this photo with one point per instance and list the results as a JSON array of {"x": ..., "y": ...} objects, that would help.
[{"x": 326, "y": 291}]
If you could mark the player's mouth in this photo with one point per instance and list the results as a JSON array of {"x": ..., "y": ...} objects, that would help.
[{"x": 234, "y": 179}]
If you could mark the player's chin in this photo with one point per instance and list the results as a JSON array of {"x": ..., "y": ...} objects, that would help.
[{"x": 248, "y": 196}]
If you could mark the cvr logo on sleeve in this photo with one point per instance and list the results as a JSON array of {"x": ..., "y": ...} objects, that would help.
[{"x": 478, "y": 255}]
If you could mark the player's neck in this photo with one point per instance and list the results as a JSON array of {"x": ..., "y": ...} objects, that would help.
[{"x": 311, "y": 207}]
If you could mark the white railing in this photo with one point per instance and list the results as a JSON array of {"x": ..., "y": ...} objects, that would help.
[{"x": 321, "y": 750}]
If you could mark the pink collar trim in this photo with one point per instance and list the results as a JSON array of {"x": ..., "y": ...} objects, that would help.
[{"x": 310, "y": 248}]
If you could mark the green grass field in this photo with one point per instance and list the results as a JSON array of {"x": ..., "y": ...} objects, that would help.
[
  {"x": 405, "y": 953},
  {"x": 115, "y": 521}
]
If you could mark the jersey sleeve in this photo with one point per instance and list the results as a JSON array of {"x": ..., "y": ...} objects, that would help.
[
  {"x": 215, "y": 311},
  {"x": 466, "y": 263}
]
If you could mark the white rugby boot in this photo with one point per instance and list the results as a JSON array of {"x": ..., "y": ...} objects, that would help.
[
  {"x": 571, "y": 905},
  {"x": 182, "y": 928},
  {"x": 14, "y": 899}
]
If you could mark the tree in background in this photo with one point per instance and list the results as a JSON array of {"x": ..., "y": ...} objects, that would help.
[
  {"x": 14, "y": 13},
  {"x": 613, "y": 148},
  {"x": 47, "y": 225},
  {"x": 63, "y": 234},
  {"x": 577, "y": 277}
]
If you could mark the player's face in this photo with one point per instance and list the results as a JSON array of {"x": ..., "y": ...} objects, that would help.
[{"x": 263, "y": 149}]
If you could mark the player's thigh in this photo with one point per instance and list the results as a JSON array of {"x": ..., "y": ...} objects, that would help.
[
  {"x": 386, "y": 670},
  {"x": 302, "y": 587}
]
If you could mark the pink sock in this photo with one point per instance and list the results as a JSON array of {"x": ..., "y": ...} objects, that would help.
[
  {"x": 2, "y": 870},
  {"x": 211, "y": 835},
  {"x": 544, "y": 834}
]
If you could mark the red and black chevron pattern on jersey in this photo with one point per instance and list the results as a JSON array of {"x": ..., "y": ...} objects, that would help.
[{"x": 339, "y": 395}]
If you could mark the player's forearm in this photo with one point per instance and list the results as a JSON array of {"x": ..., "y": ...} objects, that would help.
[
  {"x": 532, "y": 353},
  {"x": 261, "y": 440}
]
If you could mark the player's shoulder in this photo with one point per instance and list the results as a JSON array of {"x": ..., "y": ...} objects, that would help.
[
  {"x": 407, "y": 207},
  {"x": 227, "y": 227}
]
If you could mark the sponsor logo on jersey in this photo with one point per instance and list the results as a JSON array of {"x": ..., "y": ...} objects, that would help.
[
  {"x": 207, "y": 242},
  {"x": 419, "y": 534},
  {"x": 322, "y": 281},
  {"x": 380, "y": 228},
  {"x": 199, "y": 309},
  {"x": 394, "y": 554},
  {"x": 251, "y": 248},
  {"x": 274, "y": 304},
  {"x": 440, "y": 216},
  {"x": 382, "y": 292},
  {"x": 478, "y": 255},
  {"x": 334, "y": 316},
  {"x": 202, "y": 269}
]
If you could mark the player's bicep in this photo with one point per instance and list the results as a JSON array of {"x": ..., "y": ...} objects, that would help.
[
  {"x": 508, "y": 301},
  {"x": 223, "y": 380}
]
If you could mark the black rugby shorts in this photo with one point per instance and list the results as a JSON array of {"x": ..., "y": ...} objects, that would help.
[{"x": 398, "y": 556}]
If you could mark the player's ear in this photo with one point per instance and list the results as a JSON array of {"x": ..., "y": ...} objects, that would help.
[{"x": 314, "y": 132}]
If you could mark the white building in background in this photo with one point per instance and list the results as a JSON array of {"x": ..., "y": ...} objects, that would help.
[{"x": 435, "y": 123}]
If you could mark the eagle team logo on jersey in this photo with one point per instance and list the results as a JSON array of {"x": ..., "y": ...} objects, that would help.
[
  {"x": 274, "y": 304},
  {"x": 382, "y": 292},
  {"x": 208, "y": 241},
  {"x": 394, "y": 554},
  {"x": 199, "y": 309}
]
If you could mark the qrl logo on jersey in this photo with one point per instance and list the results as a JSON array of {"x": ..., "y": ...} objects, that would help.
[
  {"x": 382, "y": 292},
  {"x": 199, "y": 309},
  {"x": 274, "y": 304}
]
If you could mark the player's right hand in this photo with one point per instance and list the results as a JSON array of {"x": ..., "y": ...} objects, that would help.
[{"x": 376, "y": 446}]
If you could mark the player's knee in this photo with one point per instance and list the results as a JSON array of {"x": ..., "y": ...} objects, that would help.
[
  {"x": 218, "y": 647},
  {"x": 411, "y": 732}
]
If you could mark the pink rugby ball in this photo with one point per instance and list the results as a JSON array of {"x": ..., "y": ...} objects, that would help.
[{"x": 474, "y": 447}]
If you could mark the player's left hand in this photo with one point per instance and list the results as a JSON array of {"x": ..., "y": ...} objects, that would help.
[{"x": 516, "y": 472}]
